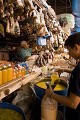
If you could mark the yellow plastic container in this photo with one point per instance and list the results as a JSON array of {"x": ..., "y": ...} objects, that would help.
[
  {"x": 19, "y": 73},
  {"x": 23, "y": 71},
  {"x": 0, "y": 76},
  {"x": 9, "y": 73},
  {"x": 4, "y": 74},
  {"x": 14, "y": 74},
  {"x": 16, "y": 71}
]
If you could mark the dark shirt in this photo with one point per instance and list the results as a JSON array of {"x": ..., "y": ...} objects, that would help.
[{"x": 74, "y": 87}]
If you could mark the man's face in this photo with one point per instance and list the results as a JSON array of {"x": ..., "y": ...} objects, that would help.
[
  {"x": 74, "y": 52},
  {"x": 27, "y": 45}
]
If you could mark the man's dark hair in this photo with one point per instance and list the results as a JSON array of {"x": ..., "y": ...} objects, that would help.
[{"x": 72, "y": 40}]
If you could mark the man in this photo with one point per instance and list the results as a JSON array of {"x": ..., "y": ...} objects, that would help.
[
  {"x": 25, "y": 51},
  {"x": 72, "y": 100}
]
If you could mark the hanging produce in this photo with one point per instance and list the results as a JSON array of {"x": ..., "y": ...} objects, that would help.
[
  {"x": 1, "y": 9},
  {"x": 20, "y": 3},
  {"x": 12, "y": 25},
  {"x": 30, "y": 3},
  {"x": 8, "y": 26},
  {"x": 16, "y": 27},
  {"x": 40, "y": 61},
  {"x": 42, "y": 20}
]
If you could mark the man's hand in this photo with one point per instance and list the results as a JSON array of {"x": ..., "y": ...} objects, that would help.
[
  {"x": 60, "y": 70},
  {"x": 49, "y": 91}
]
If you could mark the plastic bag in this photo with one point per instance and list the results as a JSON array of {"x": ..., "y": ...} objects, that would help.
[
  {"x": 24, "y": 98},
  {"x": 48, "y": 109}
]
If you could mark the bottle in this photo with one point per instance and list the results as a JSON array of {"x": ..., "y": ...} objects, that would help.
[
  {"x": 14, "y": 74},
  {"x": 19, "y": 71},
  {"x": 4, "y": 74},
  {"x": 23, "y": 71},
  {"x": 26, "y": 67},
  {"x": 9, "y": 73},
  {"x": 0, "y": 76},
  {"x": 16, "y": 71}
]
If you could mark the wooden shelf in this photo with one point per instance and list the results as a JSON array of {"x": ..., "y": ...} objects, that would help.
[{"x": 13, "y": 85}]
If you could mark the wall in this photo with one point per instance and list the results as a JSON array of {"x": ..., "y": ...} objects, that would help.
[{"x": 60, "y": 6}]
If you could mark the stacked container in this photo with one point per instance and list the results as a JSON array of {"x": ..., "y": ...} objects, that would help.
[{"x": 9, "y": 72}]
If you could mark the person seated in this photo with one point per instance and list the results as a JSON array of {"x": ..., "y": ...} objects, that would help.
[{"x": 25, "y": 51}]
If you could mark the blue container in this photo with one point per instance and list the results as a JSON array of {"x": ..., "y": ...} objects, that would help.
[
  {"x": 41, "y": 41},
  {"x": 40, "y": 92},
  {"x": 77, "y": 29},
  {"x": 77, "y": 21},
  {"x": 73, "y": 32},
  {"x": 47, "y": 36},
  {"x": 76, "y": 7},
  {"x": 6, "y": 105}
]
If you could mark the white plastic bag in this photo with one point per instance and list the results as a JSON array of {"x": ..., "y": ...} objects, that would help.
[{"x": 48, "y": 109}]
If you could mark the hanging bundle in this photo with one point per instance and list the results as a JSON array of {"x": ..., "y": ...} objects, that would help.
[
  {"x": 1, "y": 29},
  {"x": 37, "y": 19},
  {"x": 20, "y": 3},
  {"x": 11, "y": 9},
  {"x": 8, "y": 26},
  {"x": 30, "y": 4},
  {"x": 45, "y": 29},
  {"x": 42, "y": 20},
  {"x": 12, "y": 25},
  {"x": 40, "y": 61},
  {"x": 51, "y": 12},
  {"x": 16, "y": 28},
  {"x": 42, "y": 30},
  {"x": 1, "y": 9}
]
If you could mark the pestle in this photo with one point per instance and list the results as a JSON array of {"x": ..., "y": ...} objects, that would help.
[{"x": 54, "y": 85}]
